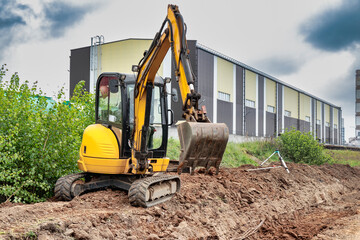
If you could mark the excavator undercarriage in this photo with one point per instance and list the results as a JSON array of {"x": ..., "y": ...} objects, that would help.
[{"x": 142, "y": 192}]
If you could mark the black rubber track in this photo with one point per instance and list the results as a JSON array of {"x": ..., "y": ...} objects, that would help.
[
  {"x": 137, "y": 191},
  {"x": 63, "y": 186}
]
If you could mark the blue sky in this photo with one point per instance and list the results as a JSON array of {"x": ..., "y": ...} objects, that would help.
[{"x": 312, "y": 45}]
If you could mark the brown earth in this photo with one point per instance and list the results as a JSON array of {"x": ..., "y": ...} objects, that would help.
[{"x": 312, "y": 202}]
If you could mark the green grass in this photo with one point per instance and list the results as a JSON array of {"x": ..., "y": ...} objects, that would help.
[
  {"x": 345, "y": 157},
  {"x": 237, "y": 154},
  {"x": 173, "y": 151}
]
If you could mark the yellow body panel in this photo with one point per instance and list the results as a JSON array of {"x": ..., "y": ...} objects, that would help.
[
  {"x": 159, "y": 164},
  {"x": 103, "y": 165},
  {"x": 117, "y": 166},
  {"x": 99, "y": 142},
  {"x": 99, "y": 153}
]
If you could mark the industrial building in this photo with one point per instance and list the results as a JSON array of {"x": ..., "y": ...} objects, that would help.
[
  {"x": 357, "y": 104},
  {"x": 249, "y": 101}
]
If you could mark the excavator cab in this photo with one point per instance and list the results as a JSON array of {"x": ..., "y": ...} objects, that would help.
[{"x": 114, "y": 111}]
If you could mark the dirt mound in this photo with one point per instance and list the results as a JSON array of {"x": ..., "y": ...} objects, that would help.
[{"x": 310, "y": 201}]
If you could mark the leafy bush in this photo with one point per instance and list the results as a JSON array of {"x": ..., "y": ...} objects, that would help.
[
  {"x": 39, "y": 140},
  {"x": 302, "y": 148}
]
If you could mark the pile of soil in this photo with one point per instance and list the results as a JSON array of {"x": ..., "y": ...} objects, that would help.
[{"x": 316, "y": 202}]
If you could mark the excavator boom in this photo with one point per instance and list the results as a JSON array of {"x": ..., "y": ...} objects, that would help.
[{"x": 202, "y": 143}]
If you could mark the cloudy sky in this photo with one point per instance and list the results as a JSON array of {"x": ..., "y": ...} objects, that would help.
[{"x": 312, "y": 45}]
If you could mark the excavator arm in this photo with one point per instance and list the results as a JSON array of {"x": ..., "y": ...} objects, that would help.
[{"x": 198, "y": 136}]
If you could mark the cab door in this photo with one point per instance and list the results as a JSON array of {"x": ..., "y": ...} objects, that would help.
[{"x": 110, "y": 97}]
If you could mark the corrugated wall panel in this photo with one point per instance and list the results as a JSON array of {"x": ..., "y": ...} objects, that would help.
[
  {"x": 336, "y": 116},
  {"x": 206, "y": 79},
  {"x": 270, "y": 93},
  {"x": 120, "y": 56},
  {"x": 225, "y": 113},
  {"x": 194, "y": 60},
  {"x": 323, "y": 130},
  {"x": 225, "y": 77},
  {"x": 79, "y": 68},
  {"x": 291, "y": 101},
  {"x": 290, "y": 123},
  {"x": 239, "y": 100},
  {"x": 270, "y": 124},
  {"x": 261, "y": 106},
  {"x": 331, "y": 126},
  {"x": 250, "y": 85},
  {"x": 250, "y": 121},
  {"x": 313, "y": 116},
  {"x": 327, "y": 113},
  {"x": 279, "y": 113},
  {"x": 304, "y": 106},
  {"x": 318, "y": 110}
]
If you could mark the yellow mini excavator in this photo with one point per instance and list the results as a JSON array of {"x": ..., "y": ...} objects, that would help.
[{"x": 126, "y": 147}]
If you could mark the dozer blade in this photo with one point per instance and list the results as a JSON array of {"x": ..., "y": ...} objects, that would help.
[
  {"x": 202, "y": 145},
  {"x": 150, "y": 191}
]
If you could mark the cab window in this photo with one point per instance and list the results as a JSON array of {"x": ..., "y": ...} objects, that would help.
[
  {"x": 155, "y": 134},
  {"x": 109, "y": 103}
]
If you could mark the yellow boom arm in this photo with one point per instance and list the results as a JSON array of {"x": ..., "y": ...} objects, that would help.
[{"x": 173, "y": 36}]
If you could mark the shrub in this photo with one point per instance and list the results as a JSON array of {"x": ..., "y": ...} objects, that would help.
[
  {"x": 302, "y": 148},
  {"x": 39, "y": 140}
]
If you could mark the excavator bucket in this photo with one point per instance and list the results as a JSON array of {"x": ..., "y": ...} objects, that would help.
[{"x": 202, "y": 145}]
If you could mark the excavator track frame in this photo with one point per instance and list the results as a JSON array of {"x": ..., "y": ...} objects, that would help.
[{"x": 139, "y": 190}]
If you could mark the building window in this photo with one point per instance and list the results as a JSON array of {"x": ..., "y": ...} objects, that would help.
[
  {"x": 335, "y": 125},
  {"x": 270, "y": 109},
  {"x": 287, "y": 113},
  {"x": 357, "y": 107},
  {"x": 327, "y": 124},
  {"x": 357, "y": 82},
  {"x": 223, "y": 96},
  {"x": 249, "y": 103},
  {"x": 358, "y": 93},
  {"x": 318, "y": 122},
  {"x": 357, "y": 119},
  {"x": 307, "y": 118}
]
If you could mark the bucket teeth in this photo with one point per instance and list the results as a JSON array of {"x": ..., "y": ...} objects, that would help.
[{"x": 202, "y": 145}]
